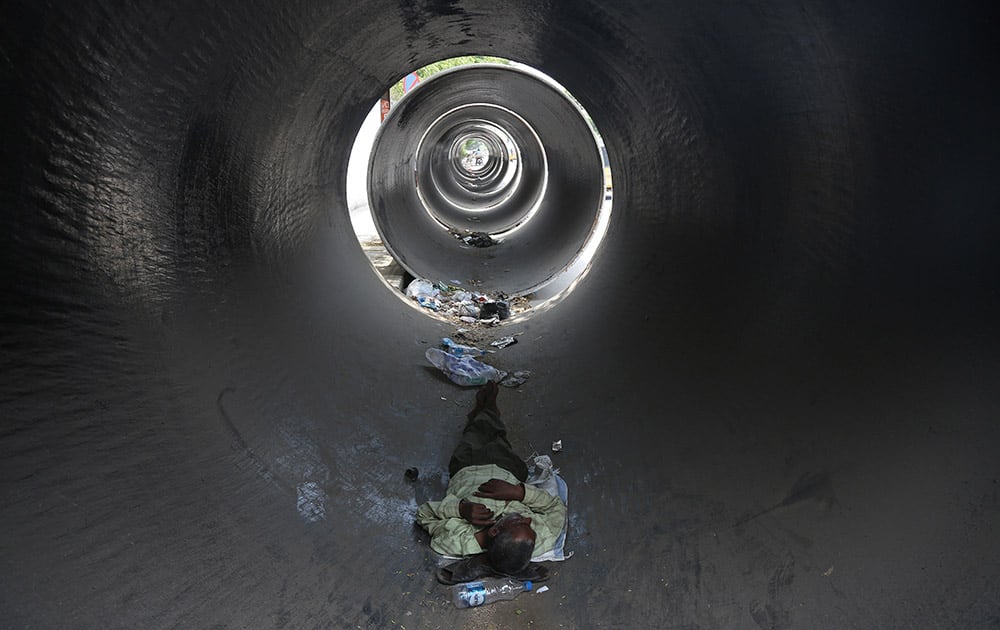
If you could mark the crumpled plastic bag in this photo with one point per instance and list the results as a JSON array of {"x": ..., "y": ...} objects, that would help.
[
  {"x": 464, "y": 371},
  {"x": 545, "y": 477},
  {"x": 515, "y": 379},
  {"x": 467, "y": 308},
  {"x": 421, "y": 288}
]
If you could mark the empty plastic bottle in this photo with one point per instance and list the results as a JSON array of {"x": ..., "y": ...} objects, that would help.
[
  {"x": 459, "y": 350},
  {"x": 487, "y": 591}
]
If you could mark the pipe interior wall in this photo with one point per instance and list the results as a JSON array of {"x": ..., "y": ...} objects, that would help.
[{"x": 775, "y": 388}]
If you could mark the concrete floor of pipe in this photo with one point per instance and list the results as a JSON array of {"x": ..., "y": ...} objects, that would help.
[{"x": 776, "y": 388}]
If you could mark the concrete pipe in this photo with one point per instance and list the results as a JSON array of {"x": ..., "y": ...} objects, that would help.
[
  {"x": 775, "y": 388},
  {"x": 487, "y": 150}
]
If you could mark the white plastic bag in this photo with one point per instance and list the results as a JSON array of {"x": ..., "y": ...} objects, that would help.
[
  {"x": 464, "y": 371},
  {"x": 467, "y": 309},
  {"x": 421, "y": 288}
]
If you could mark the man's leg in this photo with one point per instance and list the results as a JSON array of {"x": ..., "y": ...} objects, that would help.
[{"x": 484, "y": 440}]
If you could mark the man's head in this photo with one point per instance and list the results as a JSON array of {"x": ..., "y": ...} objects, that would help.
[{"x": 511, "y": 543}]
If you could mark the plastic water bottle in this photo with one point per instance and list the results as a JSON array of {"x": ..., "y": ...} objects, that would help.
[
  {"x": 487, "y": 591},
  {"x": 459, "y": 350}
]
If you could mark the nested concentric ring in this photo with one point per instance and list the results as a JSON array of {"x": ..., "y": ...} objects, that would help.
[
  {"x": 490, "y": 149},
  {"x": 481, "y": 163}
]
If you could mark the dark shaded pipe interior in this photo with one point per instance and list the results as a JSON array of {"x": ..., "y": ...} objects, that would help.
[{"x": 776, "y": 389}]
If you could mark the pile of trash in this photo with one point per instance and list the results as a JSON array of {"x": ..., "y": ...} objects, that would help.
[
  {"x": 475, "y": 239},
  {"x": 470, "y": 307},
  {"x": 459, "y": 360}
]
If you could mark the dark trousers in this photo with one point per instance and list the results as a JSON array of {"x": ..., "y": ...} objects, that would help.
[{"x": 484, "y": 441}]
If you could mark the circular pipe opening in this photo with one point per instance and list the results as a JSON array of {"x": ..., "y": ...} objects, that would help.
[{"x": 489, "y": 177}]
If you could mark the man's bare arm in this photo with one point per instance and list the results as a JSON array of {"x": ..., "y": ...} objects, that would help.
[{"x": 501, "y": 490}]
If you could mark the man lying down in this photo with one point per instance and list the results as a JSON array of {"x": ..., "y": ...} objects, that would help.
[{"x": 490, "y": 516}]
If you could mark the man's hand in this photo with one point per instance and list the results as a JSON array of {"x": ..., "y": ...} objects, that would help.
[
  {"x": 501, "y": 491},
  {"x": 475, "y": 513}
]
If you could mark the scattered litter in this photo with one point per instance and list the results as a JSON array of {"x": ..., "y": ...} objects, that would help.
[
  {"x": 464, "y": 371},
  {"x": 542, "y": 590},
  {"x": 475, "y": 239},
  {"x": 468, "y": 306},
  {"x": 828, "y": 572},
  {"x": 483, "y": 337},
  {"x": 412, "y": 474},
  {"x": 459, "y": 350},
  {"x": 516, "y": 379},
  {"x": 503, "y": 342},
  {"x": 430, "y": 303},
  {"x": 471, "y": 308},
  {"x": 557, "y": 446},
  {"x": 479, "y": 239}
]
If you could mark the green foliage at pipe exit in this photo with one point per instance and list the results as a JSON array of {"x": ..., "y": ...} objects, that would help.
[{"x": 396, "y": 92}]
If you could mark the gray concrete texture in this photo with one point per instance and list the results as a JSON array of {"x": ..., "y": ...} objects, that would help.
[{"x": 776, "y": 389}]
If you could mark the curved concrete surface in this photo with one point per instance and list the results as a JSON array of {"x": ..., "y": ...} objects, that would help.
[
  {"x": 776, "y": 388},
  {"x": 539, "y": 208}
]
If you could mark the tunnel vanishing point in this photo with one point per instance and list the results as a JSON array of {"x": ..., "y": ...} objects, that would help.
[{"x": 777, "y": 387}]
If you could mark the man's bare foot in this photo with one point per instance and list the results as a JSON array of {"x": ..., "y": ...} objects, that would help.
[{"x": 486, "y": 398}]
